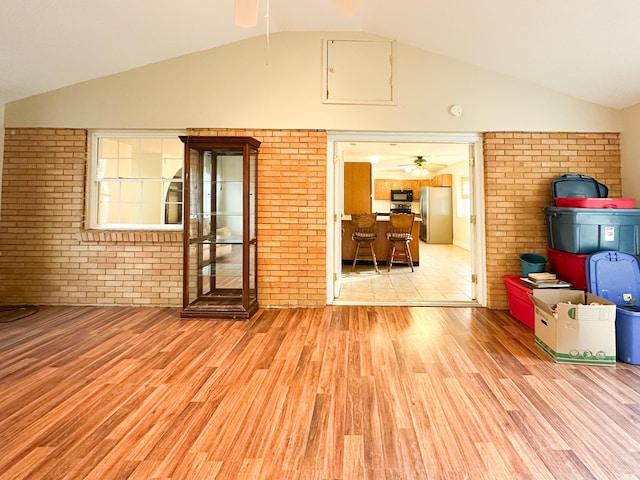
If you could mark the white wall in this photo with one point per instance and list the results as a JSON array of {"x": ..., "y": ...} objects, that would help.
[
  {"x": 630, "y": 146},
  {"x": 246, "y": 84}
]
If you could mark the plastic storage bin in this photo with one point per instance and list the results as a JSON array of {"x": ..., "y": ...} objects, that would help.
[
  {"x": 520, "y": 305},
  {"x": 615, "y": 276},
  {"x": 532, "y": 263},
  {"x": 596, "y": 202},
  {"x": 574, "y": 185},
  {"x": 590, "y": 230},
  {"x": 570, "y": 267}
]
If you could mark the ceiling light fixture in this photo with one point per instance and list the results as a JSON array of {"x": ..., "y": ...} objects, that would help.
[
  {"x": 417, "y": 170},
  {"x": 420, "y": 166}
]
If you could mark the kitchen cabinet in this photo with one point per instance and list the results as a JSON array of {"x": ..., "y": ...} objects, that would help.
[
  {"x": 357, "y": 187},
  {"x": 382, "y": 189},
  {"x": 383, "y": 186},
  {"x": 220, "y": 244},
  {"x": 442, "y": 180}
]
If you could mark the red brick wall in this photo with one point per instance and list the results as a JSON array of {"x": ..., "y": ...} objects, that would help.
[{"x": 519, "y": 168}]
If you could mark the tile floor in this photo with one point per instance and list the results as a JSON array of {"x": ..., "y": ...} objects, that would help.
[{"x": 443, "y": 278}]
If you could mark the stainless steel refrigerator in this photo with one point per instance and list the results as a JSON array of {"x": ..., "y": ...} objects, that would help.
[{"x": 436, "y": 211}]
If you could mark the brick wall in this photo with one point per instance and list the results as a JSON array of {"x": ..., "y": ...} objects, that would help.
[
  {"x": 519, "y": 168},
  {"x": 46, "y": 257},
  {"x": 292, "y": 237}
]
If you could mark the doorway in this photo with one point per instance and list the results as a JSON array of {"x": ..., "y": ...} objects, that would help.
[{"x": 449, "y": 273}]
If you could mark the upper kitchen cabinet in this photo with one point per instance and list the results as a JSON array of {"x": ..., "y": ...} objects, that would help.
[
  {"x": 220, "y": 240},
  {"x": 442, "y": 180},
  {"x": 357, "y": 187},
  {"x": 383, "y": 187}
]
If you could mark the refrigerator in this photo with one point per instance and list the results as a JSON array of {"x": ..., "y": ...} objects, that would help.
[{"x": 436, "y": 210}]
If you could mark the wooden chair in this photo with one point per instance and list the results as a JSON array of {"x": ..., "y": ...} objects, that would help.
[
  {"x": 364, "y": 234},
  {"x": 399, "y": 236}
]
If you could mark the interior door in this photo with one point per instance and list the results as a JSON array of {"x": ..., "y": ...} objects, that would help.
[
  {"x": 474, "y": 210},
  {"x": 338, "y": 209}
]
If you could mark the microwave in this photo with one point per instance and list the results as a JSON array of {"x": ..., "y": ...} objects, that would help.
[{"x": 402, "y": 195}]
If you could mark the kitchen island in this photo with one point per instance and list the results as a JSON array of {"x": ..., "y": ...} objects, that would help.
[{"x": 381, "y": 245}]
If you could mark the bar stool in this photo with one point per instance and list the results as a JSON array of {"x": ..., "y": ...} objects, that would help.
[
  {"x": 399, "y": 236},
  {"x": 364, "y": 234}
]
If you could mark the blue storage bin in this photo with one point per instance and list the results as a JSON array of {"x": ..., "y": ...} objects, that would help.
[
  {"x": 615, "y": 276},
  {"x": 590, "y": 230}
]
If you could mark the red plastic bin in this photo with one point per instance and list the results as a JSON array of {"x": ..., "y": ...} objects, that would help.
[
  {"x": 595, "y": 202},
  {"x": 570, "y": 267},
  {"x": 520, "y": 305}
]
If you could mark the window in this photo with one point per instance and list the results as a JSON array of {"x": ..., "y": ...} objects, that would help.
[
  {"x": 136, "y": 181},
  {"x": 464, "y": 199}
]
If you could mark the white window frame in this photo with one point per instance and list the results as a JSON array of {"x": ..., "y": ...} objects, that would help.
[{"x": 92, "y": 184}]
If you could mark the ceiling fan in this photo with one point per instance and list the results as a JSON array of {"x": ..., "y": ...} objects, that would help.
[
  {"x": 246, "y": 11},
  {"x": 422, "y": 166}
]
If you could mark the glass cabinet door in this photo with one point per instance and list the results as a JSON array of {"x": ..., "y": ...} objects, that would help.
[
  {"x": 220, "y": 242},
  {"x": 252, "y": 264}
]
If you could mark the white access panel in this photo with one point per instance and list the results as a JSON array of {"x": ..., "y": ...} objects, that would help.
[{"x": 359, "y": 72}]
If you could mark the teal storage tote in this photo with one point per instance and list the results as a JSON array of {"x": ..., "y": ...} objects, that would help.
[
  {"x": 531, "y": 263},
  {"x": 590, "y": 230}
]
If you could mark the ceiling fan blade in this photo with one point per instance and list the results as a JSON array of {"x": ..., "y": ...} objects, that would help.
[{"x": 245, "y": 13}]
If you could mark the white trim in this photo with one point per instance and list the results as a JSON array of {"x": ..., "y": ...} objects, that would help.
[{"x": 479, "y": 236}]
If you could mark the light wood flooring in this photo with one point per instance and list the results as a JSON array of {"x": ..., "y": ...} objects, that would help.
[
  {"x": 443, "y": 277},
  {"x": 341, "y": 392}
]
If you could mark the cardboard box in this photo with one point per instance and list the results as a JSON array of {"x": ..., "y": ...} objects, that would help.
[{"x": 577, "y": 332}]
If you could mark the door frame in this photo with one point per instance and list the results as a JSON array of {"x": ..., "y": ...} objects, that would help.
[{"x": 335, "y": 196}]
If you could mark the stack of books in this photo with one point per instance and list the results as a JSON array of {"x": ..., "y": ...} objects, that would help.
[{"x": 544, "y": 280}]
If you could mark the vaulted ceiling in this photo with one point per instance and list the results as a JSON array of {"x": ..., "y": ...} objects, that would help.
[{"x": 589, "y": 49}]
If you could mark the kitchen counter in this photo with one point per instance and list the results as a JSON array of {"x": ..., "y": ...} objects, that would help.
[{"x": 381, "y": 245}]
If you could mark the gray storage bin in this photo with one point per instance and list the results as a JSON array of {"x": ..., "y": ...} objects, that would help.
[
  {"x": 575, "y": 185},
  {"x": 589, "y": 230}
]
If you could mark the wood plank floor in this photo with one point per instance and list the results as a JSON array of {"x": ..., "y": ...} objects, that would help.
[{"x": 343, "y": 392}]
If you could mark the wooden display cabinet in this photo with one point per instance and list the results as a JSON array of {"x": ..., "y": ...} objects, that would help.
[{"x": 220, "y": 243}]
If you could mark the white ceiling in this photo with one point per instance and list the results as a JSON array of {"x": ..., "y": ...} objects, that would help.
[
  {"x": 394, "y": 157},
  {"x": 589, "y": 49}
]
